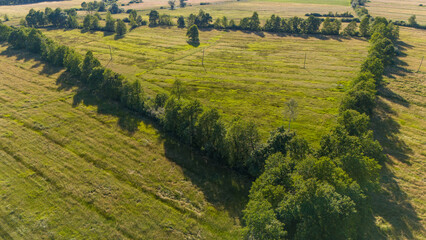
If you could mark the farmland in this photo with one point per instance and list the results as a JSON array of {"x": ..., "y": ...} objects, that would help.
[
  {"x": 245, "y": 75},
  {"x": 52, "y": 185},
  {"x": 400, "y": 127},
  {"x": 398, "y": 10},
  {"x": 73, "y": 166}
]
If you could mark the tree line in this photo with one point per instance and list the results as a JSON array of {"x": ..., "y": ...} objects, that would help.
[
  {"x": 300, "y": 192},
  {"x": 203, "y": 20},
  {"x": 307, "y": 193},
  {"x": 20, "y": 2}
]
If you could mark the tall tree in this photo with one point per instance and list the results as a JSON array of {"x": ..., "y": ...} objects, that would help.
[
  {"x": 193, "y": 35},
  {"x": 121, "y": 28}
]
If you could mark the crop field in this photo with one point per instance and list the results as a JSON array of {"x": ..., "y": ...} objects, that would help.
[
  {"x": 73, "y": 170},
  {"x": 398, "y": 10},
  {"x": 245, "y": 75}
]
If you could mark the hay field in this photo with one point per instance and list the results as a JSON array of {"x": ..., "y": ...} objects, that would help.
[
  {"x": 74, "y": 167},
  {"x": 245, "y": 74}
]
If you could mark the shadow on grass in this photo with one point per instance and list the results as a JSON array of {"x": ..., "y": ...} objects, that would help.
[
  {"x": 222, "y": 187},
  {"x": 392, "y": 213},
  {"x": 26, "y": 56}
]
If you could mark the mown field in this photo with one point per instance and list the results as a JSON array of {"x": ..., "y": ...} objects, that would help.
[
  {"x": 75, "y": 168},
  {"x": 245, "y": 74},
  {"x": 230, "y": 8},
  {"x": 400, "y": 126},
  {"x": 398, "y": 10}
]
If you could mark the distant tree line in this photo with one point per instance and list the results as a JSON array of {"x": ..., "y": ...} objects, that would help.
[
  {"x": 203, "y": 20},
  {"x": 331, "y": 14},
  {"x": 300, "y": 192},
  {"x": 20, "y": 2}
]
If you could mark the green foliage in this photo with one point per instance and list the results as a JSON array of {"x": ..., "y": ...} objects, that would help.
[
  {"x": 109, "y": 23},
  {"x": 242, "y": 138},
  {"x": 202, "y": 20},
  {"x": 355, "y": 123},
  {"x": 132, "y": 96},
  {"x": 160, "y": 100},
  {"x": 121, "y": 28},
  {"x": 311, "y": 25},
  {"x": 182, "y": 3},
  {"x": 17, "y": 38},
  {"x": 181, "y": 22},
  {"x": 382, "y": 48},
  {"x": 309, "y": 199},
  {"x": 90, "y": 23},
  {"x": 4, "y": 32},
  {"x": 331, "y": 27},
  {"x": 372, "y": 67},
  {"x": 72, "y": 62},
  {"x": 350, "y": 30},
  {"x": 254, "y": 23},
  {"x": 364, "y": 26},
  {"x": 72, "y": 22},
  {"x": 262, "y": 222},
  {"x": 412, "y": 21},
  {"x": 193, "y": 35},
  {"x": 362, "y": 98},
  {"x": 89, "y": 63},
  {"x": 210, "y": 134},
  {"x": 34, "y": 41},
  {"x": 154, "y": 17},
  {"x": 165, "y": 20}
]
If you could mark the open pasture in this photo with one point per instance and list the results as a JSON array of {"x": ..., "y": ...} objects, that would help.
[
  {"x": 398, "y": 10},
  {"x": 400, "y": 126},
  {"x": 245, "y": 75},
  {"x": 74, "y": 167}
]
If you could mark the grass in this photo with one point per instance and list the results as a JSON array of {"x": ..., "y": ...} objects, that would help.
[
  {"x": 75, "y": 167},
  {"x": 245, "y": 74},
  {"x": 400, "y": 126},
  {"x": 325, "y": 2},
  {"x": 398, "y": 10}
]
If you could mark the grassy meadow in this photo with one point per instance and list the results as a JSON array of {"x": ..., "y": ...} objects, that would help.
[
  {"x": 400, "y": 126},
  {"x": 398, "y": 10},
  {"x": 74, "y": 167},
  {"x": 245, "y": 74}
]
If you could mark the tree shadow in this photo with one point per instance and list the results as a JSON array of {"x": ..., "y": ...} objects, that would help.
[
  {"x": 194, "y": 43},
  {"x": 222, "y": 187},
  {"x": 118, "y": 37},
  {"x": 106, "y": 33},
  {"x": 391, "y": 213},
  {"x": 386, "y": 131},
  {"x": 27, "y": 56}
]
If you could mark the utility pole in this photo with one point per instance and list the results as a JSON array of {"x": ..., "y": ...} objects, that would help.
[
  {"x": 418, "y": 70},
  {"x": 110, "y": 54},
  {"x": 202, "y": 61},
  {"x": 304, "y": 63}
]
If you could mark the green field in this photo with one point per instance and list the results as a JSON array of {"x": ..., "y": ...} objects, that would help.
[
  {"x": 400, "y": 126},
  {"x": 398, "y": 10},
  {"x": 326, "y": 2},
  {"x": 75, "y": 167},
  {"x": 245, "y": 75},
  {"x": 68, "y": 171}
]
